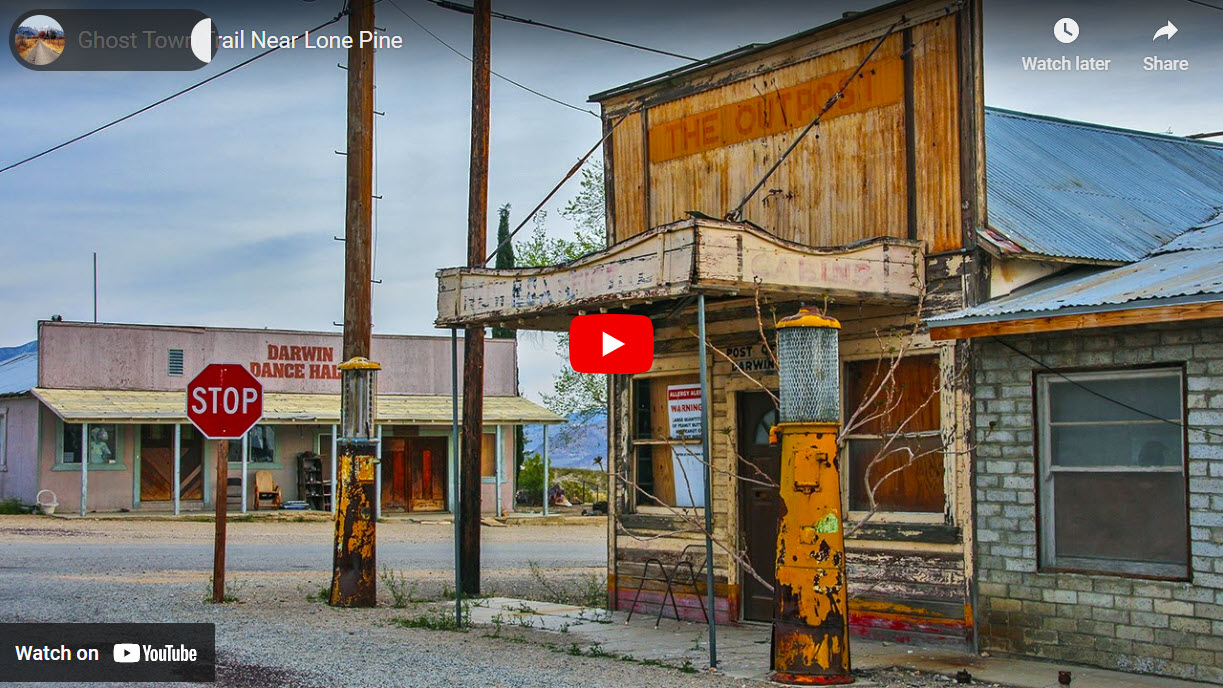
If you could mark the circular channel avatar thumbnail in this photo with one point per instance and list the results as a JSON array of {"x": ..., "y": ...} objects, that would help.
[{"x": 39, "y": 40}]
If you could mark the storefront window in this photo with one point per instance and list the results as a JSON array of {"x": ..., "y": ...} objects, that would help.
[
  {"x": 1112, "y": 472},
  {"x": 102, "y": 443},
  {"x": 896, "y": 450},
  {"x": 262, "y": 442},
  {"x": 667, "y": 441}
]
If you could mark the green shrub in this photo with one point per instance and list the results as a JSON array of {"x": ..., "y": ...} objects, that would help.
[
  {"x": 531, "y": 478},
  {"x": 13, "y": 506}
]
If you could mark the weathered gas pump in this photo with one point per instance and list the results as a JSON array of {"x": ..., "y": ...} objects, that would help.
[
  {"x": 810, "y": 619},
  {"x": 354, "y": 570}
]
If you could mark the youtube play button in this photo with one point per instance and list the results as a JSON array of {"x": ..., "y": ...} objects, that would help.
[{"x": 615, "y": 343}]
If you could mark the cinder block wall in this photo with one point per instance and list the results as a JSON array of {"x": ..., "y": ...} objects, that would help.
[{"x": 1173, "y": 628}]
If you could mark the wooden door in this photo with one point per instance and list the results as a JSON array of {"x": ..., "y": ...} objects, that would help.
[
  {"x": 394, "y": 473},
  {"x": 157, "y": 463},
  {"x": 191, "y": 463},
  {"x": 759, "y": 505},
  {"x": 427, "y": 473}
]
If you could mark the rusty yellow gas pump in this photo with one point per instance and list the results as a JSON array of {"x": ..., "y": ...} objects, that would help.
[{"x": 810, "y": 618}]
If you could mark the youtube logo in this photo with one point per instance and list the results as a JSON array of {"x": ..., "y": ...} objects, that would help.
[
  {"x": 614, "y": 343},
  {"x": 126, "y": 653}
]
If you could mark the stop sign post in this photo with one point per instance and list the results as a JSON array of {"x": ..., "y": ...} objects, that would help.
[{"x": 223, "y": 402}]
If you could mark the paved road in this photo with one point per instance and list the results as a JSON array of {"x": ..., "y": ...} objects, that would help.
[
  {"x": 134, "y": 546},
  {"x": 41, "y": 54}
]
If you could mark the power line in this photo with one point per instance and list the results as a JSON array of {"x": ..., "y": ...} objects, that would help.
[
  {"x": 572, "y": 171},
  {"x": 737, "y": 213},
  {"x": 463, "y": 55},
  {"x": 1105, "y": 397},
  {"x": 167, "y": 99},
  {"x": 1206, "y": 4},
  {"x": 467, "y": 9}
]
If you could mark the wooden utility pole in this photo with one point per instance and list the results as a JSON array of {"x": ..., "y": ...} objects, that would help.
[
  {"x": 354, "y": 569},
  {"x": 358, "y": 216},
  {"x": 222, "y": 506},
  {"x": 473, "y": 340}
]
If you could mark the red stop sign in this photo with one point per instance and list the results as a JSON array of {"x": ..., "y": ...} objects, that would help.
[{"x": 224, "y": 401}]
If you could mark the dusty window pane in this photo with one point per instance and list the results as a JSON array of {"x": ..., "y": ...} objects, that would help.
[
  {"x": 1116, "y": 444},
  {"x": 918, "y": 484},
  {"x": 668, "y": 449},
  {"x": 763, "y": 426},
  {"x": 1113, "y": 485},
  {"x": 262, "y": 443},
  {"x": 1137, "y": 517},
  {"x": 1131, "y": 398},
  {"x": 102, "y": 443},
  {"x": 895, "y": 410}
]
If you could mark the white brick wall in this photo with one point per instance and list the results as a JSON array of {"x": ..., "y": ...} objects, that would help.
[{"x": 1173, "y": 628}]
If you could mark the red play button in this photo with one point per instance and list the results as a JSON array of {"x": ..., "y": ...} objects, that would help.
[{"x": 616, "y": 343}]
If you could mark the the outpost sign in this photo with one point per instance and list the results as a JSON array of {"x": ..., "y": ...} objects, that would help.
[{"x": 297, "y": 362}]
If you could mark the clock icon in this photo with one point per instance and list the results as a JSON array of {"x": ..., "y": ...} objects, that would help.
[{"x": 1066, "y": 30}]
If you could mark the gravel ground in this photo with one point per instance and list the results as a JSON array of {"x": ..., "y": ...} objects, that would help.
[{"x": 279, "y": 634}]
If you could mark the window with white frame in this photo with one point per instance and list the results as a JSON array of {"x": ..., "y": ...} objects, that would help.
[
  {"x": 1112, "y": 472},
  {"x": 895, "y": 459}
]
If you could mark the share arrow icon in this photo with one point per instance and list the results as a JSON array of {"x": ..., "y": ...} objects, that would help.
[{"x": 1168, "y": 31}]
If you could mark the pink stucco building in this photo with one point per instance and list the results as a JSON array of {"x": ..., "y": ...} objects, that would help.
[{"x": 115, "y": 395}]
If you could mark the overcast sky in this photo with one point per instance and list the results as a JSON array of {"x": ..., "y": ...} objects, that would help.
[{"x": 219, "y": 207}]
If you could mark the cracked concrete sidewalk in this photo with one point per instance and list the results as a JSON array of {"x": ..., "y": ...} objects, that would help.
[{"x": 743, "y": 649}]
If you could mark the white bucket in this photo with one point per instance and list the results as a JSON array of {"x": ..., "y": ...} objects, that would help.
[{"x": 47, "y": 506}]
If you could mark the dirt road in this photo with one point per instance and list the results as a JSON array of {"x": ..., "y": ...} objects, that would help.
[
  {"x": 280, "y": 634},
  {"x": 41, "y": 54}
]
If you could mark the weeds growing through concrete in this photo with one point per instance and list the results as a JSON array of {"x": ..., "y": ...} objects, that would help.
[{"x": 588, "y": 590}]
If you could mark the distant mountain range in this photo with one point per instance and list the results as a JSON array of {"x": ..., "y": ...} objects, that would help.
[
  {"x": 573, "y": 445},
  {"x": 32, "y": 31}
]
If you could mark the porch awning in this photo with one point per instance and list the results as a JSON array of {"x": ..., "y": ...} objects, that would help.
[
  {"x": 131, "y": 406},
  {"x": 697, "y": 255}
]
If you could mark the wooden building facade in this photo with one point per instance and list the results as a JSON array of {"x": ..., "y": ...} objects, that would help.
[
  {"x": 894, "y": 158},
  {"x": 873, "y": 216}
]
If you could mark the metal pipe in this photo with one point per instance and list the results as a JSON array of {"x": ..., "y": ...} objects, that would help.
[
  {"x": 178, "y": 467},
  {"x": 454, "y": 474},
  {"x": 334, "y": 445},
  {"x": 701, "y": 357},
  {"x": 84, "y": 466},
  {"x": 546, "y": 470},
  {"x": 246, "y": 452},
  {"x": 378, "y": 478},
  {"x": 500, "y": 459}
]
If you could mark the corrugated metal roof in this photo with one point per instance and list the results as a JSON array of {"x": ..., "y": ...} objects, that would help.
[
  {"x": 1191, "y": 273},
  {"x": 111, "y": 405},
  {"x": 1083, "y": 191},
  {"x": 19, "y": 374}
]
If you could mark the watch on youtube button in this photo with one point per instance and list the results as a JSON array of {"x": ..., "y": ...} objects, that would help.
[{"x": 612, "y": 343}]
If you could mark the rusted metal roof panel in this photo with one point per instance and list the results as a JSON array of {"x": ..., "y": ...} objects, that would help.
[
  {"x": 19, "y": 374},
  {"x": 1188, "y": 275},
  {"x": 1083, "y": 191}
]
